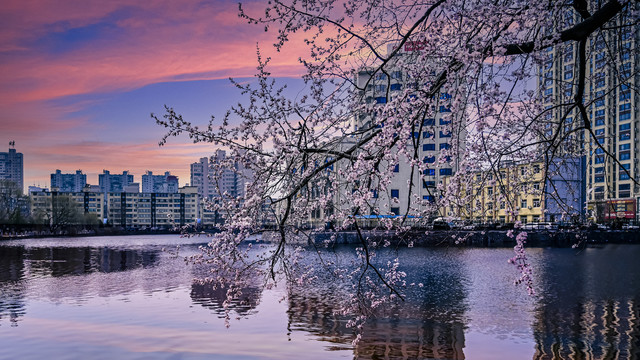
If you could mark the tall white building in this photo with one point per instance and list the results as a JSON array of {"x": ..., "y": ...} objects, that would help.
[
  {"x": 613, "y": 106},
  {"x": 436, "y": 135},
  {"x": 211, "y": 184}
]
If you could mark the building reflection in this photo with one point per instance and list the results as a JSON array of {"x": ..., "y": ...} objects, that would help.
[
  {"x": 12, "y": 299},
  {"x": 82, "y": 260},
  {"x": 596, "y": 315},
  {"x": 23, "y": 269}
]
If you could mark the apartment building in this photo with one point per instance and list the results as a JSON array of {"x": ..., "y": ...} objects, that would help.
[
  {"x": 439, "y": 143},
  {"x": 68, "y": 182},
  {"x": 49, "y": 203},
  {"x": 525, "y": 192},
  {"x": 612, "y": 100},
  {"x": 160, "y": 210},
  {"x": 166, "y": 183},
  {"x": 11, "y": 166}
]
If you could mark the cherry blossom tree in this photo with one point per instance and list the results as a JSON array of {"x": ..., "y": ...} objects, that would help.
[{"x": 326, "y": 159}]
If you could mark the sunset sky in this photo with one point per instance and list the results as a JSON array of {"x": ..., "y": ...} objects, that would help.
[{"x": 78, "y": 80}]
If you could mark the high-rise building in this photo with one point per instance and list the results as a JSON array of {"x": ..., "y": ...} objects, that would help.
[
  {"x": 11, "y": 166},
  {"x": 613, "y": 104},
  {"x": 211, "y": 184},
  {"x": 68, "y": 182},
  {"x": 166, "y": 183},
  {"x": 114, "y": 182},
  {"x": 436, "y": 140}
]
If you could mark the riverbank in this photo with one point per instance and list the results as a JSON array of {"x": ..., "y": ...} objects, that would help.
[{"x": 488, "y": 238}]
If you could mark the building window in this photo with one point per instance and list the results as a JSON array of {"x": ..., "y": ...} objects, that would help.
[
  {"x": 395, "y": 211},
  {"x": 429, "y": 172},
  {"x": 624, "y": 190},
  {"x": 445, "y": 134},
  {"x": 446, "y": 171},
  {"x": 429, "y": 159},
  {"x": 502, "y": 205},
  {"x": 523, "y": 219},
  {"x": 444, "y": 146},
  {"x": 395, "y": 193},
  {"x": 374, "y": 194},
  {"x": 381, "y": 100},
  {"x": 490, "y": 190},
  {"x": 536, "y": 203},
  {"x": 396, "y": 168},
  {"x": 396, "y": 87},
  {"x": 426, "y": 184},
  {"x": 622, "y": 172},
  {"x": 598, "y": 179},
  {"x": 428, "y": 122},
  {"x": 428, "y": 147},
  {"x": 429, "y": 198},
  {"x": 523, "y": 203},
  {"x": 599, "y": 159}
]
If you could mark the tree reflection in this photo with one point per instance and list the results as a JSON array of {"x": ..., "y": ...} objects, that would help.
[
  {"x": 205, "y": 294},
  {"x": 429, "y": 324}
]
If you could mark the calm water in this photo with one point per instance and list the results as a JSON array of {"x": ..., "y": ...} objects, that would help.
[{"x": 125, "y": 298}]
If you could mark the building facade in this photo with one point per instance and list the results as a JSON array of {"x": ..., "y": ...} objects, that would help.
[
  {"x": 214, "y": 182},
  {"x": 612, "y": 79},
  {"x": 12, "y": 167},
  {"x": 166, "y": 183},
  {"x": 524, "y": 192},
  {"x": 114, "y": 182},
  {"x": 437, "y": 139},
  {"x": 154, "y": 210},
  {"x": 68, "y": 182},
  {"x": 47, "y": 202}
]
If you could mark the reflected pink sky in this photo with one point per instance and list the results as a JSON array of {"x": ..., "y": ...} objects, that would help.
[{"x": 79, "y": 79}]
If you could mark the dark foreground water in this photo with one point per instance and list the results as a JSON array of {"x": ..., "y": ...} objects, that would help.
[{"x": 124, "y": 298}]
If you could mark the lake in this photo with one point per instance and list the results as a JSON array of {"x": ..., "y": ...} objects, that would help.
[{"x": 125, "y": 298}]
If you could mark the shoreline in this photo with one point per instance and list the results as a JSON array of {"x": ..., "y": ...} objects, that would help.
[{"x": 415, "y": 238}]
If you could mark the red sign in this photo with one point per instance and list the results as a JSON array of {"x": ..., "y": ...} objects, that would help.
[
  {"x": 620, "y": 209},
  {"x": 414, "y": 45}
]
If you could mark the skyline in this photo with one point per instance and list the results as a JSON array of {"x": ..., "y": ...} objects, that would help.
[{"x": 79, "y": 80}]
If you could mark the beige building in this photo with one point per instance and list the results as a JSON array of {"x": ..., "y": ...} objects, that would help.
[
  {"x": 55, "y": 205},
  {"x": 513, "y": 193},
  {"x": 161, "y": 210}
]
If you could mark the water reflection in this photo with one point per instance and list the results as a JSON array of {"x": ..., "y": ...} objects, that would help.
[
  {"x": 12, "y": 302},
  {"x": 590, "y": 305},
  {"x": 428, "y": 325},
  {"x": 213, "y": 298}
]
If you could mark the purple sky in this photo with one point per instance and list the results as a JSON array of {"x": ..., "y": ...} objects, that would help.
[{"x": 80, "y": 78}]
